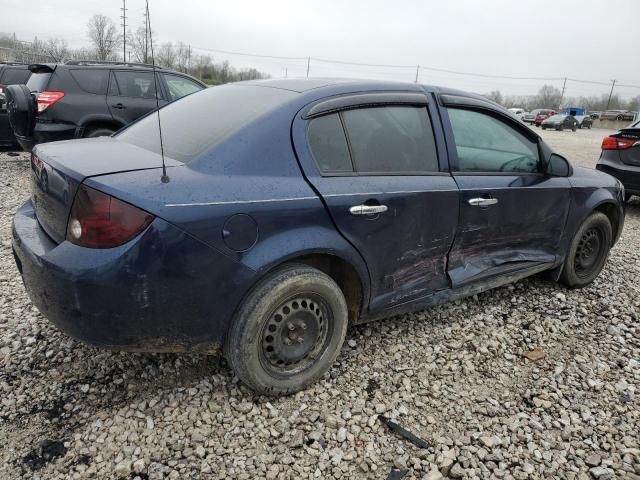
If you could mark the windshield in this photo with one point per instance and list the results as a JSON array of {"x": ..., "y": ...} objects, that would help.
[
  {"x": 38, "y": 81},
  {"x": 204, "y": 119}
]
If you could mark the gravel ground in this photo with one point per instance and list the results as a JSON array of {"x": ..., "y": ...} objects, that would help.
[{"x": 454, "y": 375}]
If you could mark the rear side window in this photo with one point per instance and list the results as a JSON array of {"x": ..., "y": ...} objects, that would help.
[
  {"x": 329, "y": 145},
  {"x": 201, "y": 121},
  {"x": 395, "y": 140},
  {"x": 180, "y": 86},
  {"x": 91, "y": 80},
  {"x": 486, "y": 144},
  {"x": 14, "y": 76},
  {"x": 38, "y": 81},
  {"x": 133, "y": 84}
]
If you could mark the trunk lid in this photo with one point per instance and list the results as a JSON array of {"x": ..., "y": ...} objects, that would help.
[
  {"x": 58, "y": 169},
  {"x": 631, "y": 156}
]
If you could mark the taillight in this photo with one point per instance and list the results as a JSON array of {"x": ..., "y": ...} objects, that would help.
[
  {"x": 617, "y": 143},
  {"x": 46, "y": 99},
  {"x": 98, "y": 220}
]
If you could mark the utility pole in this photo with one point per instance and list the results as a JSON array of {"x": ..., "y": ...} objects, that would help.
[
  {"x": 124, "y": 29},
  {"x": 308, "y": 65},
  {"x": 417, "y": 73},
  {"x": 286, "y": 71},
  {"x": 613, "y": 84},
  {"x": 564, "y": 86}
]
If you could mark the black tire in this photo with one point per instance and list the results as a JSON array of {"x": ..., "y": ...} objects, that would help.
[
  {"x": 544, "y": 128},
  {"x": 619, "y": 117},
  {"x": 589, "y": 127},
  {"x": 573, "y": 129},
  {"x": 560, "y": 128},
  {"x": 288, "y": 331},
  {"x": 21, "y": 109},
  {"x": 588, "y": 251},
  {"x": 98, "y": 132}
]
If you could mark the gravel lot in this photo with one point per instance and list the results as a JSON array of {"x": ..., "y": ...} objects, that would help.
[{"x": 454, "y": 375}]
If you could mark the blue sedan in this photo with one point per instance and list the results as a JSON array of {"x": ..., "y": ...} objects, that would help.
[{"x": 294, "y": 208}]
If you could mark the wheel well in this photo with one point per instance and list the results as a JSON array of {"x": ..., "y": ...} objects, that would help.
[
  {"x": 612, "y": 213},
  {"x": 100, "y": 124},
  {"x": 343, "y": 273}
]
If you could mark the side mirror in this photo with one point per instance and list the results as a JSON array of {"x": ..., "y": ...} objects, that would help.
[{"x": 558, "y": 166}]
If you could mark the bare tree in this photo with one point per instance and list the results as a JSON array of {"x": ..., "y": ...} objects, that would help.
[
  {"x": 494, "y": 95},
  {"x": 57, "y": 49},
  {"x": 104, "y": 36},
  {"x": 548, "y": 97}
]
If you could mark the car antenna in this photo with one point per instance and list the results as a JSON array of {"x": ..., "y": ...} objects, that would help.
[{"x": 164, "y": 178}]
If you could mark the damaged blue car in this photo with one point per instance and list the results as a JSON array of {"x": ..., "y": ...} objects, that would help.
[{"x": 291, "y": 209}]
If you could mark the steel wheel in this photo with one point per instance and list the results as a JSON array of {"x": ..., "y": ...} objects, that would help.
[
  {"x": 296, "y": 334},
  {"x": 589, "y": 252}
]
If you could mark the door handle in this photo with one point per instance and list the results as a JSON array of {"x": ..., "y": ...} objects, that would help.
[
  {"x": 482, "y": 202},
  {"x": 367, "y": 209},
  {"x": 119, "y": 106}
]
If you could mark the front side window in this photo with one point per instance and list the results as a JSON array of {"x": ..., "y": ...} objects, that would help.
[
  {"x": 179, "y": 86},
  {"x": 133, "y": 84},
  {"x": 395, "y": 140},
  {"x": 486, "y": 144}
]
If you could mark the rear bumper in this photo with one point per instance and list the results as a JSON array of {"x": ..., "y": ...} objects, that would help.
[
  {"x": 162, "y": 291},
  {"x": 48, "y": 132},
  {"x": 629, "y": 175}
]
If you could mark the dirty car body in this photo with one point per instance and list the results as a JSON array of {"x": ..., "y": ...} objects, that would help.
[{"x": 378, "y": 185}]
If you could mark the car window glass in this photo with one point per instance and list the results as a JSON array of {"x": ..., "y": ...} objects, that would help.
[
  {"x": 179, "y": 86},
  {"x": 38, "y": 81},
  {"x": 91, "y": 80},
  {"x": 328, "y": 144},
  {"x": 14, "y": 76},
  {"x": 135, "y": 84},
  {"x": 199, "y": 122},
  {"x": 486, "y": 144},
  {"x": 391, "y": 140}
]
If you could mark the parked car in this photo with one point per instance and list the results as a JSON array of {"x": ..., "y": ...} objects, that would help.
[
  {"x": 618, "y": 115},
  {"x": 10, "y": 74},
  {"x": 269, "y": 232},
  {"x": 531, "y": 116},
  {"x": 542, "y": 115},
  {"x": 584, "y": 121},
  {"x": 89, "y": 99},
  {"x": 560, "y": 122},
  {"x": 518, "y": 112},
  {"x": 620, "y": 157},
  {"x": 595, "y": 115}
]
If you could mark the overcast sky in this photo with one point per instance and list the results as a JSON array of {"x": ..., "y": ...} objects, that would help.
[{"x": 583, "y": 39}]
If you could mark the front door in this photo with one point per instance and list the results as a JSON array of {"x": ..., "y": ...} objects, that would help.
[
  {"x": 132, "y": 95},
  {"x": 511, "y": 214},
  {"x": 379, "y": 174}
]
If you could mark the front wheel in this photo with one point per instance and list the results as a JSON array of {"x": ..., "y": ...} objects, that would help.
[
  {"x": 588, "y": 251},
  {"x": 288, "y": 331}
]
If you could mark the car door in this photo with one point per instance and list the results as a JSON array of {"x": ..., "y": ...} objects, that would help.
[
  {"x": 132, "y": 94},
  {"x": 512, "y": 215},
  {"x": 381, "y": 171}
]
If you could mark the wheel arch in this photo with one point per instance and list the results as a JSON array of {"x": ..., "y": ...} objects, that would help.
[
  {"x": 99, "y": 122},
  {"x": 613, "y": 213}
]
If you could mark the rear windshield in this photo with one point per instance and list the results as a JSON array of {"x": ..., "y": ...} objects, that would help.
[
  {"x": 202, "y": 120},
  {"x": 14, "y": 76},
  {"x": 38, "y": 81}
]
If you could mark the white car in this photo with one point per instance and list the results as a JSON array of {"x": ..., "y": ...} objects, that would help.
[{"x": 518, "y": 112}]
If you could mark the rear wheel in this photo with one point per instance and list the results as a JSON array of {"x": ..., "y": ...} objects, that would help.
[
  {"x": 588, "y": 251},
  {"x": 288, "y": 331},
  {"x": 98, "y": 132}
]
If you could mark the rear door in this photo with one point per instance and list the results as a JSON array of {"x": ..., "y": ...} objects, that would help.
[
  {"x": 381, "y": 171},
  {"x": 132, "y": 94},
  {"x": 512, "y": 215}
]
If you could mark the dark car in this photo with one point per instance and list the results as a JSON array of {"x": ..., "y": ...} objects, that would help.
[
  {"x": 618, "y": 115},
  {"x": 584, "y": 121},
  {"x": 542, "y": 115},
  {"x": 620, "y": 157},
  {"x": 560, "y": 122},
  {"x": 10, "y": 74},
  {"x": 291, "y": 209},
  {"x": 88, "y": 99}
]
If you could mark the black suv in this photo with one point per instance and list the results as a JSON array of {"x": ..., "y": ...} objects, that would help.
[
  {"x": 89, "y": 99},
  {"x": 10, "y": 74}
]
